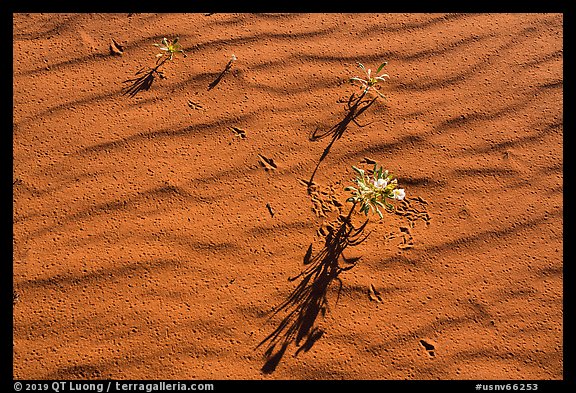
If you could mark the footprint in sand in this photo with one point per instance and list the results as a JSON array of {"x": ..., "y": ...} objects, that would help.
[
  {"x": 116, "y": 49},
  {"x": 374, "y": 295},
  {"x": 323, "y": 198},
  {"x": 429, "y": 347},
  {"x": 267, "y": 163},
  {"x": 414, "y": 211},
  {"x": 407, "y": 238},
  {"x": 270, "y": 210},
  {"x": 194, "y": 105},
  {"x": 368, "y": 161},
  {"x": 239, "y": 132}
]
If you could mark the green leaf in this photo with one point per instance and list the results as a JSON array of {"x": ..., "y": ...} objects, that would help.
[
  {"x": 358, "y": 79},
  {"x": 359, "y": 171},
  {"x": 379, "y": 213},
  {"x": 381, "y": 66},
  {"x": 362, "y": 66}
]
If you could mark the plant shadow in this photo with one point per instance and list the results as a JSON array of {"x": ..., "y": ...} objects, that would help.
[
  {"x": 215, "y": 82},
  {"x": 354, "y": 108},
  {"x": 143, "y": 80},
  {"x": 309, "y": 299}
]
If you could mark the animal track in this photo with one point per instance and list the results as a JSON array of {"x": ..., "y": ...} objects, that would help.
[
  {"x": 368, "y": 161},
  {"x": 270, "y": 209},
  {"x": 413, "y": 213},
  {"x": 267, "y": 163},
  {"x": 194, "y": 105},
  {"x": 239, "y": 132},
  {"x": 374, "y": 294},
  {"x": 324, "y": 199},
  {"x": 429, "y": 347},
  {"x": 116, "y": 49}
]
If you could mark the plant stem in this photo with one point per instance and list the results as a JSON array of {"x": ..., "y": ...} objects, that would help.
[
  {"x": 349, "y": 216},
  {"x": 155, "y": 69}
]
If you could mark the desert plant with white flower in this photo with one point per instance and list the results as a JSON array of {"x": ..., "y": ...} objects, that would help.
[
  {"x": 145, "y": 76},
  {"x": 370, "y": 83},
  {"x": 171, "y": 47},
  {"x": 374, "y": 192}
]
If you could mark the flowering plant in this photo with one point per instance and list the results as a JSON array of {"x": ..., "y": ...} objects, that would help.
[
  {"x": 370, "y": 82},
  {"x": 169, "y": 46},
  {"x": 145, "y": 76},
  {"x": 373, "y": 193}
]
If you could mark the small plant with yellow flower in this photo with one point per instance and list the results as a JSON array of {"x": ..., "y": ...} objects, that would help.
[{"x": 370, "y": 83}]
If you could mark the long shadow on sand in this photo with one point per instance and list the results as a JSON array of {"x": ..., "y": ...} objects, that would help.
[
  {"x": 215, "y": 82},
  {"x": 143, "y": 80},
  {"x": 309, "y": 298},
  {"x": 354, "y": 108}
]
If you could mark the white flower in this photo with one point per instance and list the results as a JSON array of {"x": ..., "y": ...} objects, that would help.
[
  {"x": 380, "y": 183},
  {"x": 398, "y": 194}
]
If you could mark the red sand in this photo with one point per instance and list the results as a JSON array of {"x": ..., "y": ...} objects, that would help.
[{"x": 144, "y": 247}]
